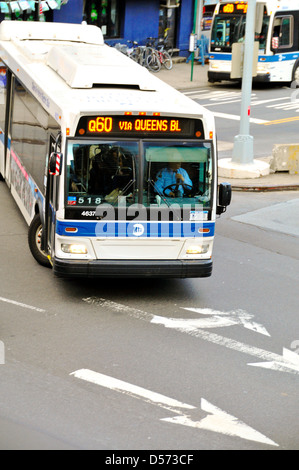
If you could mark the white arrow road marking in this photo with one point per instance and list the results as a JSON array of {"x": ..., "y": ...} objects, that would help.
[
  {"x": 271, "y": 358},
  {"x": 223, "y": 423},
  {"x": 219, "y": 319},
  {"x": 217, "y": 421},
  {"x": 188, "y": 326},
  {"x": 19, "y": 304},
  {"x": 291, "y": 362}
]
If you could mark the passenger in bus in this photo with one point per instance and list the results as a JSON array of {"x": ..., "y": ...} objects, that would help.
[
  {"x": 173, "y": 181},
  {"x": 101, "y": 176},
  {"x": 107, "y": 175}
]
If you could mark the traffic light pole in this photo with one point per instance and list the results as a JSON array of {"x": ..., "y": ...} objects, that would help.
[
  {"x": 242, "y": 164},
  {"x": 243, "y": 144}
]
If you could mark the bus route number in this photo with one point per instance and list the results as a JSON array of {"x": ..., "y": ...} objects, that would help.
[{"x": 100, "y": 124}]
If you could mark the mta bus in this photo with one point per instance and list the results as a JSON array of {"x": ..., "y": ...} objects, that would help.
[
  {"x": 276, "y": 30},
  {"x": 114, "y": 171}
]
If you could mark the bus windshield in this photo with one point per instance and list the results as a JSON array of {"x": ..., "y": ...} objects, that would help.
[
  {"x": 101, "y": 172},
  {"x": 231, "y": 29},
  {"x": 178, "y": 172},
  {"x": 110, "y": 172}
]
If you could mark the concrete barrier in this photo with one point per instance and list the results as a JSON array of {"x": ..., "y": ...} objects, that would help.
[{"x": 285, "y": 157}]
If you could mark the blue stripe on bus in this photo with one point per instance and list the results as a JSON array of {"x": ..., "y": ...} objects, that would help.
[
  {"x": 279, "y": 57},
  {"x": 220, "y": 56},
  {"x": 136, "y": 229}
]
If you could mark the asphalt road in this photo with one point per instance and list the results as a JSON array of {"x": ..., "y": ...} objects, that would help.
[
  {"x": 144, "y": 365},
  {"x": 274, "y": 115}
]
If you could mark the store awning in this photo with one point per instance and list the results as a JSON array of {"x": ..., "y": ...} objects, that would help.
[{"x": 23, "y": 5}]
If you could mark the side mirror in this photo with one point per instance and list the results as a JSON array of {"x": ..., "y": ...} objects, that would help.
[
  {"x": 224, "y": 198},
  {"x": 55, "y": 162}
]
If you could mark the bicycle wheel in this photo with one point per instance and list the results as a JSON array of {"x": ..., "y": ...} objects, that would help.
[
  {"x": 134, "y": 56},
  {"x": 168, "y": 47},
  {"x": 153, "y": 61},
  {"x": 166, "y": 60}
]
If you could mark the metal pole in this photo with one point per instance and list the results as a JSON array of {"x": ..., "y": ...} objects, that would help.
[
  {"x": 199, "y": 18},
  {"x": 243, "y": 143},
  {"x": 193, "y": 31},
  {"x": 37, "y": 14}
]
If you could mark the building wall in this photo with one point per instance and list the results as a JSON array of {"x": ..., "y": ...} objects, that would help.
[
  {"x": 185, "y": 26},
  {"x": 141, "y": 19}
]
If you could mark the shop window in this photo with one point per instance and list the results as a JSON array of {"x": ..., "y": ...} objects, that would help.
[{"x": 106, "y": 14}]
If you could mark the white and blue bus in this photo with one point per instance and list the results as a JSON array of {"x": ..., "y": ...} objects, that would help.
[
  {"x": 276, "y": 30},
  {"x": 114, "y": 171}
]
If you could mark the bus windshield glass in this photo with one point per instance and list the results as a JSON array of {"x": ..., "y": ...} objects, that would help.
[
  {"x": 179, "y": 173},
  {"x": 229, "y": 29},
  {"x": 110, "y": 172},
  {"x": 100, "y": 172}
]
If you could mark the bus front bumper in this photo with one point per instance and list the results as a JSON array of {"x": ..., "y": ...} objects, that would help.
[
  {"x": 219, "y": 76},
  {"x": 132, "y": 268}
]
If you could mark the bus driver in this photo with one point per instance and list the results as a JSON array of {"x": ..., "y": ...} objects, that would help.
[{"x": 173, "y": 181}]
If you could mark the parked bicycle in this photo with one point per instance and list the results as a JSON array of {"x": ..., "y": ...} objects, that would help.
[
  {"x": 152, "y": 55},
  {"x": 163, "y": 55},
  {"x": 145, "y": 55}
]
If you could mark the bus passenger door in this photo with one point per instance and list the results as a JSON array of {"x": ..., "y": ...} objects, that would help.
[{"x": 51, "y": 197}]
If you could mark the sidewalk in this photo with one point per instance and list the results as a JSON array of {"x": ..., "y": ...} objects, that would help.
[{"x": 180, "y": 78}]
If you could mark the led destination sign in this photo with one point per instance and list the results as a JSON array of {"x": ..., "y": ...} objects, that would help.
[
  {"x": 233, "y": 8},
  {"x": 139, "y": 126}
]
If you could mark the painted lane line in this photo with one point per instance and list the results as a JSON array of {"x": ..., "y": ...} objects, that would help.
[
  {"x": 114, "y": 306},
  {"x": 187, "y": 93},
  {"x": 284, "y": 98},
  {"x": 226, "y": 102},
  {"x": 189, "y": 327},
  {"x": 216, "y": 421},
  {"x": 282, "y": 121},
  {"x": 236, "y": 117},
  {"x": 19, "y": 304}
]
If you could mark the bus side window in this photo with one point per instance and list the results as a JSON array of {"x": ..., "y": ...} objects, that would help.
[{"x": 282, "y": 32}]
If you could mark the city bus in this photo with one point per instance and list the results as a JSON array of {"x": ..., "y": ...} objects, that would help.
[
  {"x": 276, "y": 30},
  {"x": 88, "y": 143}
]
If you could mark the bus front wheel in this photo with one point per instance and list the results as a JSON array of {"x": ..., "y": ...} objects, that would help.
[
  {"x": 34, "y": 240},
  {"x": 295, "y": 83}
]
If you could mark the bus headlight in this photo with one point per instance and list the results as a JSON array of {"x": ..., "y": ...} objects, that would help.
[
  {"x": 197, "y": 249},
  {"x": 74, "y": 249},
  {"x": 262, "y": 68}
]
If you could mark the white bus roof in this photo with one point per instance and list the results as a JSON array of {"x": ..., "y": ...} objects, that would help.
[
  {"x": 70, "y": 70},
  {"x": 23, "y": 30}
]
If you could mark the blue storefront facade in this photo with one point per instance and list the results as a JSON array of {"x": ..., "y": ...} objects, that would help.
[
  {"x": 122, "y": 20},
  {"x": 140, "y": 19}
]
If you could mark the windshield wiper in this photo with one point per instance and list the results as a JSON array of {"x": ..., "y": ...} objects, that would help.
[
  {"x": 159, "y": 192},
  {"x": 114, "y": 199}
]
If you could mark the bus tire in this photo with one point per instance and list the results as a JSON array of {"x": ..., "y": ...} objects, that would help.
[
  {"x": 34, "y": 241},
  {"x": 295, "y": 82}
]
